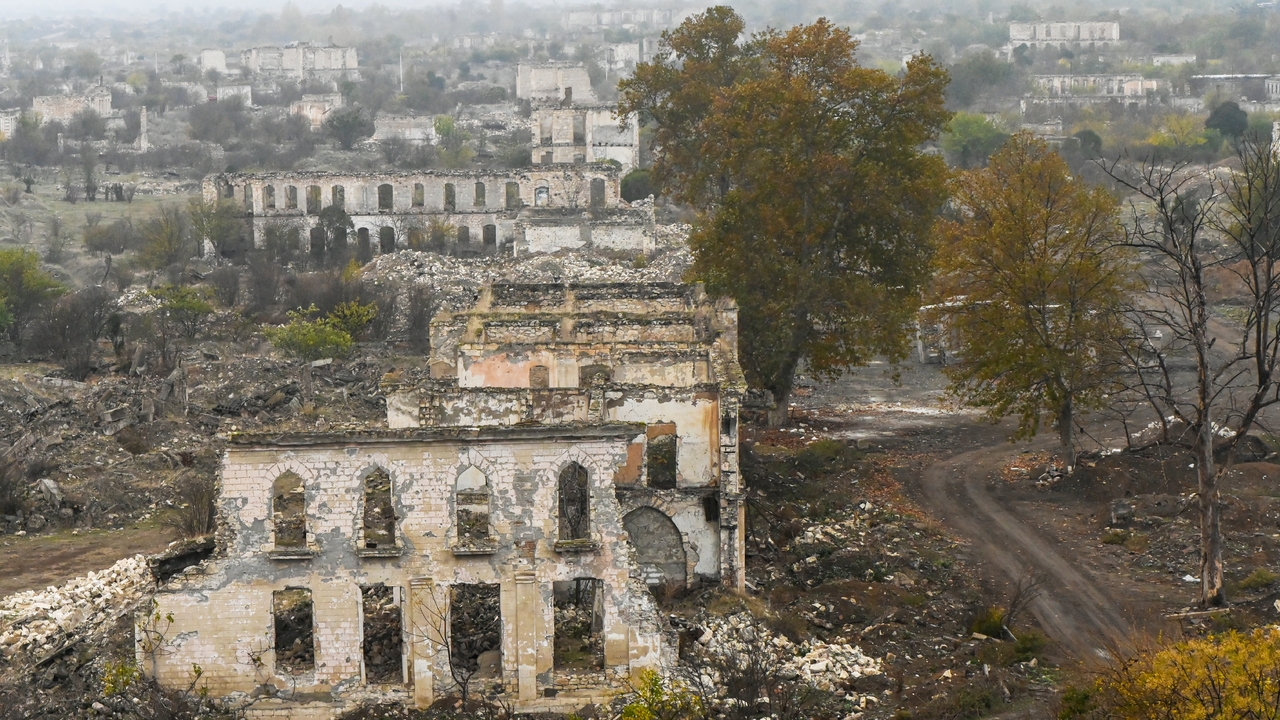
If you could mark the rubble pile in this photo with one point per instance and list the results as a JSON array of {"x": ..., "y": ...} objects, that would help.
[
  {"x": 38, "y": 622},
  {"x": 739, "y": 639},
  {"x": 456, "y": 282}
]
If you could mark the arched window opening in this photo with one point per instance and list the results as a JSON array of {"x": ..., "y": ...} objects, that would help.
[
  {"x": 364, "y": 248},
  {"x": 479, "y": 194},
  {"x": 490, "y": 238},
  {"x": 589, "y": 375},
  {"x": 541, "y": 196},
  {"x": 513, "y": 195},
  {"x": 386, "y": 197},
  {"x": 288, "y": 512},
  {"x": 313, "y": 200},
  {"x": 248, "y": 199},
  {"x": 269, "y": 197},
  {"x": 450, "y": 198},
  {"x": 464, "y": 235},
  {"x": 387, "y": 239},
  {"x": 290, "y": 198},
  {"x": 419, "y": 195},
  {"x": 317, "y": 243},
  {"x": 338, "y": 196},
  {"x": 379, "y": 530},
  {"x": 574, "y": 506},
  {"x": 471, "y": 494}
]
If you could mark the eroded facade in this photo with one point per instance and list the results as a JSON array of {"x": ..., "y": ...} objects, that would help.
[
  {"x": 574, "y": 449},
  {"x": 538, "y": 210}
]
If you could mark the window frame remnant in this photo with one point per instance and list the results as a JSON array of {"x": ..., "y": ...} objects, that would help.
[
  {"x": 472, "y": 509},
  {"x": 419, "y": 195},
  {"x": 464, "y": 236},
  {"x": 450, "y": 198},
  {"x": 512, "y": 195},
  {"x": 598, "y": 191},
  {"x": 314, "y": 200},
  {"x": 662, "y": 456},
  {"x": 338, "y": 197},
  {"x": 382, "y": 622},
  {"x": 386, "y": 197},
  {"x": 472, "y": 635},
  {"x": 479, "y": 194},
  {"x": 490, "y": 234},
  {"x": 289, "y": 488},
  {"x": 577, "y": 630},
  {"x": 300, "y": 602},
  {"x": 378, "y": 521},
  {"x": 269, "y": 197},
  {"x": 539, "y": 377},
  {"x": 387, "y": 239},
  {"x": 573, "y": 503},
  {"x": 291, "y": 197}
]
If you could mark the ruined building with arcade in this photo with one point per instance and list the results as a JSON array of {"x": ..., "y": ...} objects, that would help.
[{"x": 572, "y": 450}]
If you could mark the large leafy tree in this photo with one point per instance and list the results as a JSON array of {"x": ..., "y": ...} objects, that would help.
[
  {"x": 1035, "y": 254},
  {"x": 814, "y": 200},
  {"x": 24, "y": 289}
]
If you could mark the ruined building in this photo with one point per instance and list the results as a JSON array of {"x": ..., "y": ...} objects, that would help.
[
  {"x": 583, "y": 134},
  {"x": 64, "y": 108},
  {"x": 483, "y": 212},
  {"x": 302, "y": 61},
  {"x": 574, "y": 444}
]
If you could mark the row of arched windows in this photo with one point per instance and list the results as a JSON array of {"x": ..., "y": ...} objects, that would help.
[
  {"x": 472, "y": 500},
  {"x": 313, "y": 196}
]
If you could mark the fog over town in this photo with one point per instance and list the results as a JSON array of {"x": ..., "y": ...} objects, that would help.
[{"x": 639, "y": 360}]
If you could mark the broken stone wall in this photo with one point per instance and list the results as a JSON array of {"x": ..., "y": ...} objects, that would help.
[{"x": 223, "y": 616}]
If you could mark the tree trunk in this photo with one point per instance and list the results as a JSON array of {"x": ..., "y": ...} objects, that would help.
[
  {"x": 781, "y": 411},
  {"x": 1211, "y": 587},
  {"x": 1067, "y": 432}
]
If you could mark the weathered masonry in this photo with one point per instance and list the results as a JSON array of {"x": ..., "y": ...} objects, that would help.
[
  {"x": 539, "y": 210},
  {"x": 660, "y": 354},
  {"x": 575, "y": 447}
]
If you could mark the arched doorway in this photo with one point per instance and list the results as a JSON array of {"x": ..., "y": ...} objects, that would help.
[{"x": 659, "y": 547}]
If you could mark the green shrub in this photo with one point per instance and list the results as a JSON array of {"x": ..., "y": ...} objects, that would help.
[
  {"x": 309, "y": 340},
  {"x": 1115, "y": 537},
  {"x": 1028, "y": 645},
  {"x": 185, "y": 308},
  {"x": 655, "y": 699},
  {"x": 990, "y": 622},
  {"x": 1259, "y": 579},
  {"x": 826, "y": 456},
  {"x": 352, "y": 318}
]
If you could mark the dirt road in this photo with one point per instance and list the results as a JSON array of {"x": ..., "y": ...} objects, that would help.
[{"x": 1073, "y": 609}]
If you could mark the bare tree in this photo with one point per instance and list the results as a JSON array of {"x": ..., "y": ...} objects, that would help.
[{"x": 1192, "y": 225}]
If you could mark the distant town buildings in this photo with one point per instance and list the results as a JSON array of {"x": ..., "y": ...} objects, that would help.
[
  {"x": 9, "y": 122},
  {"x": 584, "y": 134},
  {"x": 301, "y": 61},
  {"x": 1063, "y": 34}
]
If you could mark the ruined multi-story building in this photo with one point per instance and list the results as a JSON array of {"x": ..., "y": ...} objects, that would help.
[
  {"x": 554, "y": 82},
  {"x": 1064, "y": 34},
  {"x": 299, "y": 61},
  {"x": 535, "y": 210},
  {"x": 575, "y": 444},
  {"x": 584, "y": 134},
  {"x": 64, "y": 108}
]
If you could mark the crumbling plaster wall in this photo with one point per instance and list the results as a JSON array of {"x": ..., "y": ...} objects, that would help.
[{"x": 223, "y": 615}]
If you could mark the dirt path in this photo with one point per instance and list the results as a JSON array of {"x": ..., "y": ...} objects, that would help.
[
  {"x": 1073, "y": 609},
  {"x": 32, "y": 562}
]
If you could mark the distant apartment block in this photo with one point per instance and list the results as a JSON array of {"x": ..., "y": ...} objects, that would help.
[
  {"x": 410, "y": 128},
  {"x": 316, "y": 107},
  {"x": 1098, "y": 85},
  {"x": 589, "y": 19},
  {"x": 1061, "y": 34},
  {"x": 584, "y": 134},
  {"x": 554, "y": 82},
  {"x": 301, "y": 60},
  {"x": 1188, "y": 59},
  {"x": 62, "y": 108},
  {"x": 215, "y": 60}
]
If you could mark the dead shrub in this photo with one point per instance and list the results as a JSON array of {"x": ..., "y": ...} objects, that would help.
[
  {"x": 423, "y": 304},
  {"x": 324, "y": 290},
  {"x": 133, "y": 441},
  {"x": 13, "y": 496},
  {"x": 194, "y": 513},
  {"x": 225, "y": 282},
  {"x": 264, "y": 283}
]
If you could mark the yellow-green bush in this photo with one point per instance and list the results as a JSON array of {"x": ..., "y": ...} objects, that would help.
[{"x": 656, "y": 699}]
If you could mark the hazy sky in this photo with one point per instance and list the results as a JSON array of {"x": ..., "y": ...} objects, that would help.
[{"x": 144, "y": 9}]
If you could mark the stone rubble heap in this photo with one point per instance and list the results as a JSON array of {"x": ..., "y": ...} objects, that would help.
[
  {"x": 457, "y": 281},
  {"x": 36, "y": 622},
  {"x": 828, "y": 667}
]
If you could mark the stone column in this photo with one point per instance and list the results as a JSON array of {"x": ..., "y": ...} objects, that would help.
[
  {"x": 528, "y": 612},
  {"x": 426, "y": 633}
]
